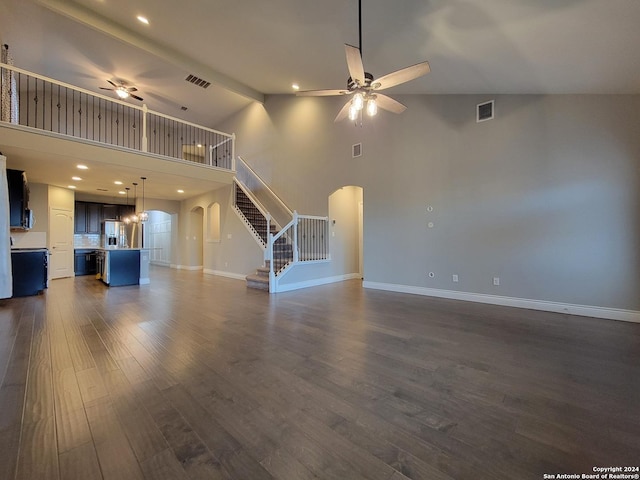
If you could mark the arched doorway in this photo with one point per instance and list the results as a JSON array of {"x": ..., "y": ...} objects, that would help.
[
  {"x": 346, "y": 221},
  {"x": 194, "y": 237},
  {"x": 158, "y": 238}
]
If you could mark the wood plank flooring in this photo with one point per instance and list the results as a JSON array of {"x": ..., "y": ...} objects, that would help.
[{"x": 198, "y": 377}]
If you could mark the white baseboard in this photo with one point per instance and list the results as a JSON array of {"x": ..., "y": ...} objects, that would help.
[
  {"x": 145, "y": 281},
  {"x": 186, "y": 267},
  {"x": 220, "y": 273},
  {"x": 316, "y": 281},
  {"x": 566, "y": 308}
]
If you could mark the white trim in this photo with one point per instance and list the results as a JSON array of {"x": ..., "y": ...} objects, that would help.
[
  {"x": 186, "y": 267},
  {"x": 566, "y": 308},
  {"x": 85, "y": 141},
  {"x": 145, "y": 281},
  {"x": 220, "y": 273},
  {"x": 316, "y": 282}
]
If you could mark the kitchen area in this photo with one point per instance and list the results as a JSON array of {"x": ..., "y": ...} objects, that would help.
[
  {"x": 106, "y": 244},
  {"x": 46, "y": 234}
]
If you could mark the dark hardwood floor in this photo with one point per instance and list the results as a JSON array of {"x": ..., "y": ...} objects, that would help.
[{"x": 198, "y": 377}]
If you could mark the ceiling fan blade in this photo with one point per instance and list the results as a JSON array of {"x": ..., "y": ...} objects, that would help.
[
  {"x": 105, "y": 88},
  {"x": 131, "y": 89},
  {"x": 322, "y": 93},
  {"x": 342, "y": 114},
  {"x": 135, "y": 96},
  {"x": 388, "y": 103},
  {"x": 354, "y": 63},
  {"x": 114, "y": 85},
  {"x": 401, "y": 76}
]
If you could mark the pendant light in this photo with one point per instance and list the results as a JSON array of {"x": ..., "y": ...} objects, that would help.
[
  {"x": 134, "y": 217},
  {"x": 127, "y": 219},
  {"x": 144, "y": 216}
]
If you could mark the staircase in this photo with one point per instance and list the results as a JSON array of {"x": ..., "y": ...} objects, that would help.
[
  {"x": 258, "y": 223},
  {"x": 282, "y": 256},
  {"x": 253, "y": 216},
  {"x": 288, "y": 238}
]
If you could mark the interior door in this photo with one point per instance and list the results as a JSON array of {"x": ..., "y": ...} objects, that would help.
[{"x": 60, "y": 243}]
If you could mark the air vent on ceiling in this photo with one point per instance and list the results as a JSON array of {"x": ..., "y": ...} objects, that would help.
[
  {"x": 198, "y": 81},
  {"x": 183, "y": 108},
  {"x": 356, "y": 150},
  {"x": 484, "y": 111}
]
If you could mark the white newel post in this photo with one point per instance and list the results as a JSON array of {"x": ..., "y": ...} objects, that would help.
[
  {"x": 272, "y": 274},
  {"x": 233, "y": 152},
  {"x": 144, "y": 145},
  {"x": 296, "y": 253}
]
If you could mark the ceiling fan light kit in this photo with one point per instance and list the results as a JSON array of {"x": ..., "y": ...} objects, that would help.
[
  {"x": 363, "y": 86},
  {"x": 123, "y": 91}
]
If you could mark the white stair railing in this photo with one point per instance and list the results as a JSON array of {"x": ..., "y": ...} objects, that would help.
[{"x": 303, "y": 240}]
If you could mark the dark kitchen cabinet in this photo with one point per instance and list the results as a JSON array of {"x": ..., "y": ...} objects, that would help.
[
  {"x": 81, "y": 218},
  {"x": 85, "y": 262},
  {"x": 110, "y": 212},
  {"x": 29, "y": 267},
  {"x": 125, "y": 211},
  {"x": 94, "y": 217},
  {"x": 88, "y": 217},
  {"x": 18, "y": 199}
]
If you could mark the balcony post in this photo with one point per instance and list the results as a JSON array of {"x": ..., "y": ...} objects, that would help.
[{"x": 144, "y": 145}]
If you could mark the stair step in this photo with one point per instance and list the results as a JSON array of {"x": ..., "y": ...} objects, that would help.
[
  {"x": 263, "y": 272},
  {"x": 257, "y": 281}
]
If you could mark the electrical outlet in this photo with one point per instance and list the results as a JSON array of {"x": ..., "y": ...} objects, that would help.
[
  {"x": 430, "y": 224},
  {"x": 496, "y": 281},
  {"x": 454, "y": 278}
]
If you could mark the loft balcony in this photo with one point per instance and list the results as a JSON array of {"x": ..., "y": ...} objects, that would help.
[{"x": 45, "y": 123}]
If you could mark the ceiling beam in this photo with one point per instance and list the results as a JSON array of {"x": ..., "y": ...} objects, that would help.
[{"x": 83, "y": 15}]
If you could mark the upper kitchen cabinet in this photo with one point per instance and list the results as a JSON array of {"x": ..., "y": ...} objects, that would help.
[
  {"x": 19, "y": 213},
  {"x": 88, "y": 217}
]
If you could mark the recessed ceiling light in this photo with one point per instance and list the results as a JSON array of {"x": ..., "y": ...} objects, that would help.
[
  {"x": 118, "y": 182},
  {"x": 295, "y": 86},
  {"x": 142, "y": 19},
  {"x": 180, "y": 191},
  {"x": 83, "y": 167},
  {"x": 122, "y": 192},
  {"x": 77, "y": 179},
  {"x": 71, "y": 187},
  {"x": 199, "y": 145}
]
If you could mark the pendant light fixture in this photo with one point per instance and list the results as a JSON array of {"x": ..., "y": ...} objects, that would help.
[
  {"x": 134, "y": 217},
  {"x": 127, "y": 219},
  {"x": 144, "y": 216}
]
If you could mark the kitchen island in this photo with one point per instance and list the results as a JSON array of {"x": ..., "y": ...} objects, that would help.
[{"x": 122, "y": 266}]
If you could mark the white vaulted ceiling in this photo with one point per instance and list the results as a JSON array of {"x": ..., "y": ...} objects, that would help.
[{"x": 249, "y": 48}]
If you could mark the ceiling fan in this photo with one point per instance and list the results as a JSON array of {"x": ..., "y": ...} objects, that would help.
[
  {"x": 364, "y": 86},
  {"x": 123, "y": 90}
]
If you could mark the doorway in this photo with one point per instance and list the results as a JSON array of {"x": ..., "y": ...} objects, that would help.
[
  {"x": 60, "y": 243},
  {"x": 195, "y": 236},
  {"x": 346, "y": 224},
  {"x": 158, "y": 238}
]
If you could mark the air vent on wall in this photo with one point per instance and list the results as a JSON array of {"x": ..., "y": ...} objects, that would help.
[
  {"x": 356, "y": 150},
  {"x": 197, "y": 81},
  {"x": 484, "y": 111}
]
